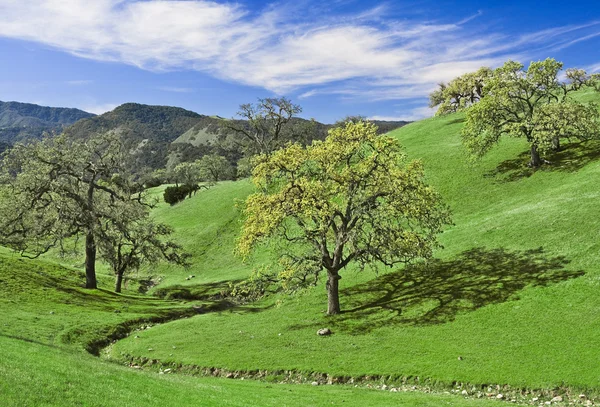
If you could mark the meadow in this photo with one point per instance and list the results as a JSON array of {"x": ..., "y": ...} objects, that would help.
[{"x": 509, "y": 305}]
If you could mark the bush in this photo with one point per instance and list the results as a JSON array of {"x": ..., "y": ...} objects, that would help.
[{"x": 177, "y": 194}]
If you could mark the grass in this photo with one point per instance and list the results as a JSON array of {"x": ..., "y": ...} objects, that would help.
[
  {"x": 47, "y": 320},
  {"x": 37, "y": 375},
  {"x": 511, "y": 300},
  {"x": 514, "y": 292}
]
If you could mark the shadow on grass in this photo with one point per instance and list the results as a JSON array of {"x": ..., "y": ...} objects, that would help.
[
  {"x": 200, "y": 292},
  {"x": 436, "y": 292},
  {"x": 456, "y": 121},
  {"x": 572, "y": 158}
]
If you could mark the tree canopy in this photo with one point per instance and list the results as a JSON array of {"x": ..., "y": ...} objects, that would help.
[
  {"x": 534, "y": 104},
  {"x": 350, "y": 198},
  {"x": 60, "y": 189},
  {"x": 460, "y": 92}
]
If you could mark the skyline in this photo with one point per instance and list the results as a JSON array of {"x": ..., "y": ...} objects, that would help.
[{"x": 377, "y": 59}]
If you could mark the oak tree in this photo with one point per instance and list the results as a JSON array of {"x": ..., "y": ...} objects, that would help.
[
  {"x": 534, "y": 104},
  {"x": 460, "y": 92},
  {"x": 59, "y": 190},
  {"x": 264, "y": 126},
  {"x": 351, "y": 198}
]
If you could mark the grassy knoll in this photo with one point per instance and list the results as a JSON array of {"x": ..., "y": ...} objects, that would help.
[
  {"x": 514, "y": 292},
  {"x": 47, "y": 319},
  {"x": 44, "y": 302}
]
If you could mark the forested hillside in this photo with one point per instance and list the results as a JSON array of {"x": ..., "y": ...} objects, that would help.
[{"x": 21, "y": 121}]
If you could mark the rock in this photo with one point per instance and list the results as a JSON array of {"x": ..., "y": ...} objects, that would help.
[
  {"x": 500, "y": 396},
  {"x": 582, "y": 396},
  {"x": 150, "y": 349},
  {"x": 460, "y": 358},
  {"x": 117, "y": 311},
  {"x": 535, "y": 399},
  {"x": 229, "y": 375},
  {"x": 51, "y": 312},
  {"x": 557, "y": 399},
  {"x": 167, "y": 370},
  {"x": 464, "y": 393},
  {"x": 324, "y": 332},
  {"x": 384, "y": 387},
  {"x": 394, "y": 390},
  {"x": 315, "y": 383}
]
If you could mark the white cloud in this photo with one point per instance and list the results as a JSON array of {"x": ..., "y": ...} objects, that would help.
[
  {"x": 175, "y": 89},
  {"x": 417, "y": 113},
  {"x": 362, "y": 55}
]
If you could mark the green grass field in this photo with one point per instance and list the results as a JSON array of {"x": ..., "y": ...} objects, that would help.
[
  {"x": 513, "y": 292},
  {"x": 47, "y": 320},
  {"x": 511, "y": 300}
]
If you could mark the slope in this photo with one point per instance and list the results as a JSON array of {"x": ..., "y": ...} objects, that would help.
[
  {"x": 22, "y": 121},
  {"x": 47, "y": 319},
  {"x": 147, "y": 130},
  {"x": 510, "y": 300}
]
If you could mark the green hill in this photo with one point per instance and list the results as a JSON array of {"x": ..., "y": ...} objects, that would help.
[
  {"x": 47, "y": 318},
  {"x": 511, "y": 300},
  {"x": 22, "y": 121},
  {"x": 509, "y": 305},
  {"x": 147, "y": 130}
]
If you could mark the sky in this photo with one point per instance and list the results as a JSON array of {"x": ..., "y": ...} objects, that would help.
[{"x": 379, "y": 59}]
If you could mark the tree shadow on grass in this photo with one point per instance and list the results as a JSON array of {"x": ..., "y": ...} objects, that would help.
[
  {"x": 434, "y": 293},
  {"x": 456, "y": 121},
  {"x": 572, "y": 158},
  {"x": 199, "y": 292}
]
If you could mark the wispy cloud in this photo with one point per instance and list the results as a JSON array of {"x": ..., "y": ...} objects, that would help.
[
  {"x": 362, "y": 55},
  {"x": 175, "y": 89},
  {"x": 417, "y": 113}
]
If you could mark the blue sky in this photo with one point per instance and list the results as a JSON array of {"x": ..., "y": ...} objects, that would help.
[{"x": 334, "y": 58}]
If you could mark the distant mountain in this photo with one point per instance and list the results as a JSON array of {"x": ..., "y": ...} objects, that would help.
[
  {"x": 22, "y": 121},
  {"x": 386, "y": 126},
  {"x": 158, "y": 135},
  {"x": 147, "y": 130}
]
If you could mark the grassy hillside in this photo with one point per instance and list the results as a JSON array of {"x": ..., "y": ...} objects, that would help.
[
  {"x": 514, "y": 292},
  {"x": 47, "y": 319}
]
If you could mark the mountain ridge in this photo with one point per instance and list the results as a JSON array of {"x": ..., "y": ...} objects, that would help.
[{"x": 24, "y": 121}]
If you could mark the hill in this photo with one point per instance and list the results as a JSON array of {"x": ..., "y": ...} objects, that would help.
[
  {"x": 47, "y": 318},
  {"x": 510, "y": 301},
  {"x": 21, "y": 121},
  {"x": 147, "y": 130},
  {"x": 158, "y": 134}
]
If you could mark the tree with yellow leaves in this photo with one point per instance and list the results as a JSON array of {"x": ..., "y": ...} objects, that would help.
[{"x": 351, "y": 198}]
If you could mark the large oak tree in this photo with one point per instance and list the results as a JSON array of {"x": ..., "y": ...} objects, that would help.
[
  {"x": 351, "y": 198},
  {"x": 534, "y": 104}
]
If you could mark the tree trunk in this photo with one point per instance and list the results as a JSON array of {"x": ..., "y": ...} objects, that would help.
[
  {"x": 333, "y": 295},
  {"x": 90, "y": 261},
  {"x": 536, "y": 161},
  {"x": 118, "y": 282}
]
